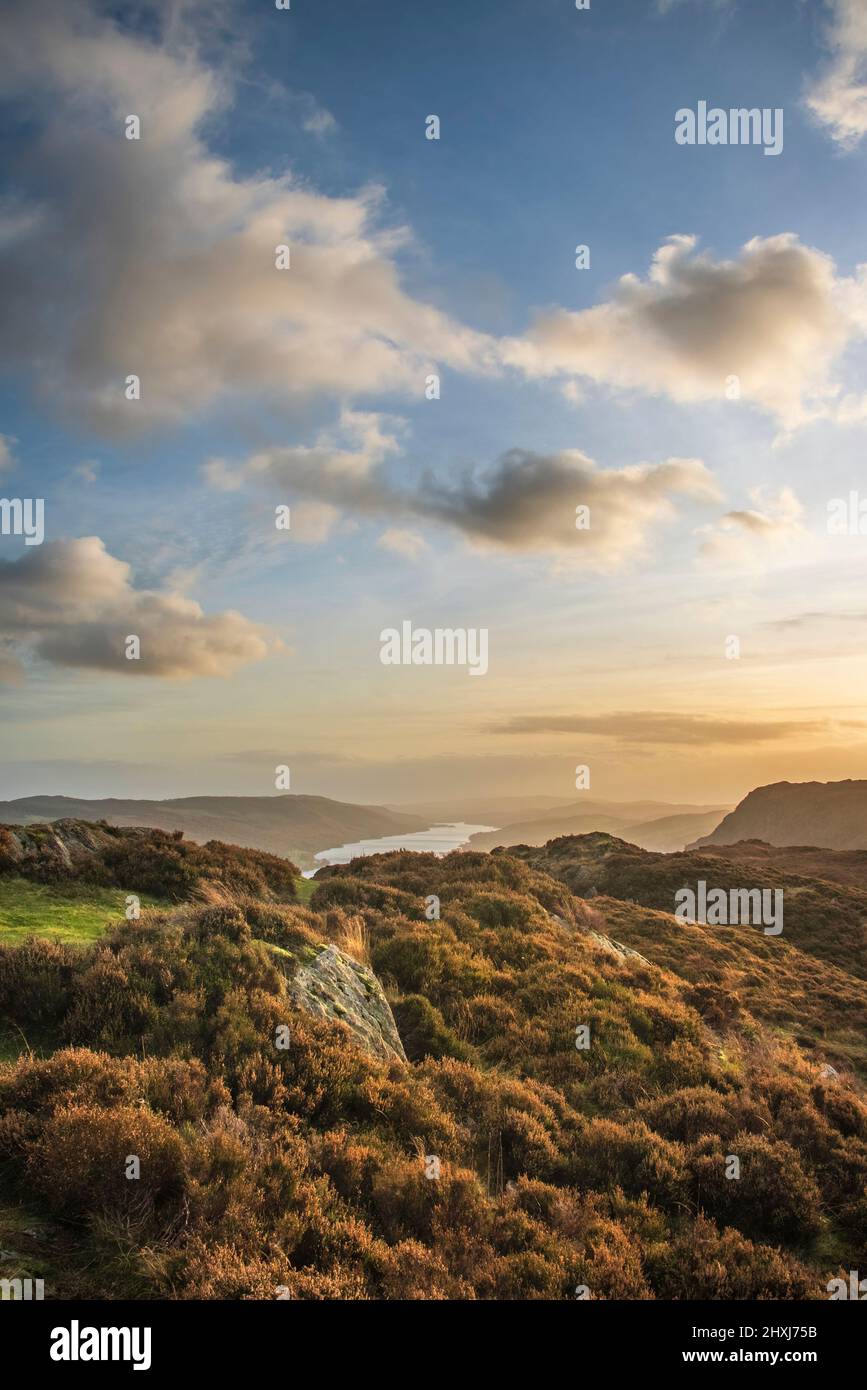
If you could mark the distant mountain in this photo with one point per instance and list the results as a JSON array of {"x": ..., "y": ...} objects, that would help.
[
  {"x": 653, "y": 825},
  {"x": 483, "y": 810},
  {"x": 669, "y": 833},
  {"x": 830, "y": 815},
  {"x": 296, "y": 827}
]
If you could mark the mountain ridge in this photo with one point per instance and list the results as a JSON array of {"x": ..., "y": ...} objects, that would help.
[{"x": 827, "y": 815}]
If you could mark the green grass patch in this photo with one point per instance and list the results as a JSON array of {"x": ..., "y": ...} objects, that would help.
[
  {"x": 305, "y": 888},
  {"x": 77, "y": 913}
]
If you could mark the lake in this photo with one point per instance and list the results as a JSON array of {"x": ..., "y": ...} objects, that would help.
[{"x": 439, "y": 839}]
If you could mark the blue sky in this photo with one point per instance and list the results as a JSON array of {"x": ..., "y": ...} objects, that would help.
[{"x": 557, "y": 128}]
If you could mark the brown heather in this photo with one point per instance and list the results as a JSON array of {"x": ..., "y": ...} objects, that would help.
[{"x": 304, "y": 1169}]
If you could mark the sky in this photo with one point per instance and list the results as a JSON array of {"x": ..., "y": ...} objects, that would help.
[{"x": 432, "y": 384}]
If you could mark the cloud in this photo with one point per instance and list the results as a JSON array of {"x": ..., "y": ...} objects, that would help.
[
  {"x": 7, "y": 459},
  {"x": 168, "y": 267},
  {"x": 314, "y": 522},
  {"x": 838, "y": 98},
  {"x": 776, "y": 318},
  {"x": 803, "y": 619},
  {"x": 758, "y": 537},
  {"x": 73, "y": 604},
  {"x": 316, "y": 120},
  {"x": 644, "y": 726},
  {"x": 409, "y": 544},
  {"x": 525, "y": 502},
  {"x": 528, "y": 502},
  {"x": 335, "y": 467}
]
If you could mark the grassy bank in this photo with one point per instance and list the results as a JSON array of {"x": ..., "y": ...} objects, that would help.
[{"x": 73, "y": 913}]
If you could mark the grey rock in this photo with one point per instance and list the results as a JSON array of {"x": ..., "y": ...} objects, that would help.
[
  {"x": 607, "y": 943},
  {"x": 616, "y": 948},
  {"x": 334, "y": 986}
]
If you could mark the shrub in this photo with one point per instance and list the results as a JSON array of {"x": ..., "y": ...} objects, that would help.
[
  {"x": 80, "y": 1161},
  {"x": 423, "y": 1030},
  {"x": 774, "y": 1197}
]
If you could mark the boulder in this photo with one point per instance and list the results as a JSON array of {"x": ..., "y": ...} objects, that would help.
[{"x": 331, "y": 984}]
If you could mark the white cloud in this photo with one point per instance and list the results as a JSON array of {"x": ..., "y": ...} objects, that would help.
[
  {"x": 759, "y": 537},
  {"x": 334, "y": 468},
  {"x": 838, "y": 98},
  {"x": 73, "y": 604},
  {"x": 169, "y": 264},
  {"x": 7, "y": 459},
  {"x": 776, "y": 318},
  {"x": 169, "y": 257},
  {"x": 400, "y": 541},
  {"x": 318, "y": 121},
  {"x": 314, "y": 522},
  {"x": 525, "y": 502}
]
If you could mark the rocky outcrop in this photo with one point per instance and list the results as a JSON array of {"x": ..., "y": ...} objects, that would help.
[
  {"x": 607, "y": 943},
  {"x": 52, "y": 850},
  {"x": 615, "y": 948},
  {"x": 330, "y": 984}
]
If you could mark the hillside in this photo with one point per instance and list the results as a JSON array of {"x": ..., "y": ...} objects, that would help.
[
  {"x": 830, "y": 815},
  {"x": 432, "y": 1125},
  {"x": 822, "y": 919},
  {"x": 837, "y": 866},
  {"x": 139, "y": 860},
  {"x": 652, "y": 825},
  {"x": 294, "y": 826},
  {"x": 667, "y": 833}
]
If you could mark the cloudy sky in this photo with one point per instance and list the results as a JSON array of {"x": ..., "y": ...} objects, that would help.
[{"x": 698, "y": 384}]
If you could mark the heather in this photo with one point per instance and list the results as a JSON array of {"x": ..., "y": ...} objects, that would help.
[{"x": 306, "y": 1168}]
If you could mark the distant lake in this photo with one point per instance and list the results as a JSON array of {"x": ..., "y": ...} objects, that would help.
[{"x": 439, "y": 839}]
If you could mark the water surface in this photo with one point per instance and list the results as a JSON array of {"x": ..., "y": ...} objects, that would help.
[{"x": 438, "y": 839}]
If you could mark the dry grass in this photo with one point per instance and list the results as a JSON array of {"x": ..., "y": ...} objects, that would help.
[{"x": 352, "y": 936}]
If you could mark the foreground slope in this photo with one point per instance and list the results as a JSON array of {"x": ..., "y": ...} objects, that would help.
[
  {"x": 824, "y": 918},
  {"x": 500, "y": 1160}
]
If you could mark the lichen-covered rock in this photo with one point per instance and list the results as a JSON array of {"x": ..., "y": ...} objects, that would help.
[
  {"x": 330, "y": 984},
  {"x": 607, "y": 943},
  {"x": 615, "y": 948},
  {"x": 47, "y": 850}
]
